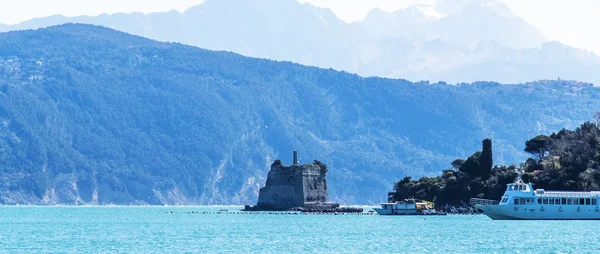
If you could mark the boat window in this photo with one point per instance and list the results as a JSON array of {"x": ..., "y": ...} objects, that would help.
[
  {"x": 545, "y": 201},
  {"x": 594, "y": 201},
  {"x": 587, "y": 201},
  {"x": 557, "y": 201},
  {"x": 551, "y": 201},
  {"x": 582, "y": 201},
  {"x": 540, "y": 201},
  {"x": 522, "y": 201},
  {"x": 576, "y": 201},
  {"x": 569, "y": 201},
  {"x": 516, "y": 201},
  {"x": 563, "y": 201}
]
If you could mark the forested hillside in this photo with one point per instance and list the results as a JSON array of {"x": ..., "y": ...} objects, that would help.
[
  {"x": 565, "y": 160},
  {"x": 91, "y": 115}
]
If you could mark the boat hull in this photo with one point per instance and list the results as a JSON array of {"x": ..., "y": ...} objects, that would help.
[
  {"x": 381, "y": 211},
  {"x": 539, "y": 212}
]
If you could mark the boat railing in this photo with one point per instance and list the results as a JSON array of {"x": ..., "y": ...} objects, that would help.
[
  {"x": 482, "y": 201},
  {"x": 568, "y": 194}
]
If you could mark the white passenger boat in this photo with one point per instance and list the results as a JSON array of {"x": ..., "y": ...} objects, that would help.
[
  {"x": 521, "y": 202},
  {"x": 406, "y": 207}
]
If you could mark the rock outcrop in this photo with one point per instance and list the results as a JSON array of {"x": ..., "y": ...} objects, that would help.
[{"x": 295, "y": 187}]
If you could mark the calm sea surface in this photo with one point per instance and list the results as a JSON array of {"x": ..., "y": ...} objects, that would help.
[{"x": 154, "y": 230}]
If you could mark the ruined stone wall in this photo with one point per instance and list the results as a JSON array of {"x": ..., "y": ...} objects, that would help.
[
  {"x": 294, "y": 186},
  {"x": 283, "y": 188},
  {"x": 314, "y": 184}
]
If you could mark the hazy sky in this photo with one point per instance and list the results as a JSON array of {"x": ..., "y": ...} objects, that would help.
[{"x": 573, "y": 22}]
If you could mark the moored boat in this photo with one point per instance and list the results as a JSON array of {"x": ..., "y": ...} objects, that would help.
[
  {"x": 407, "y": 207},
  {"x": 521, "y": 202}
]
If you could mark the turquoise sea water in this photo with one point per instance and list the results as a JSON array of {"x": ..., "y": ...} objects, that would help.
[{"x": 154, "y": 230}]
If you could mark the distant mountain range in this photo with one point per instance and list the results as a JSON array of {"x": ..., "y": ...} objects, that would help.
[
  {"x": 90, "y": 115},
  {"x": 452, "y": 40}
]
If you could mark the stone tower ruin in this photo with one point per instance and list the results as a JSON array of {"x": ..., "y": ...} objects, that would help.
[{"x": 295, "y": 187}]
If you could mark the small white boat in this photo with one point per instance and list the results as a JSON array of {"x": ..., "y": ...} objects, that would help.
[
  {"x": 407, "y": 207},
  {"x": 521, "y": 202}
]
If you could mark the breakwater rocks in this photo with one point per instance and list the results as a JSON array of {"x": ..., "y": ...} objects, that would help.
[
  {"x": 308, "y": 209},
  {"x": 226, "y": 212},
  {"x": 297, "y": 188}
]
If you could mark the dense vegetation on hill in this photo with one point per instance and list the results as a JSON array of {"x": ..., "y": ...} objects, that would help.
[
  {"x": 91, "y": 115},
  {"x": 567, "y": 160}
]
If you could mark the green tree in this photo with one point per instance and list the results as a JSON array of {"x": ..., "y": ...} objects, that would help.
[
  {"x": 472, "y": 166},
  {"x": 456, "y": 164},
  {"x": 531, "y": 165},
  {"x": 538, "y": 146}
]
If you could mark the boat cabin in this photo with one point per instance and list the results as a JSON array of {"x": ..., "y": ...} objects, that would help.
[
  {"x": 520, "y": 193},
  {"x": 521, "y": 187}
]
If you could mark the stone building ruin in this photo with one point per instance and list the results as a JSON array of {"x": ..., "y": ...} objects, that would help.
[{"x": 295, "y": 187}]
